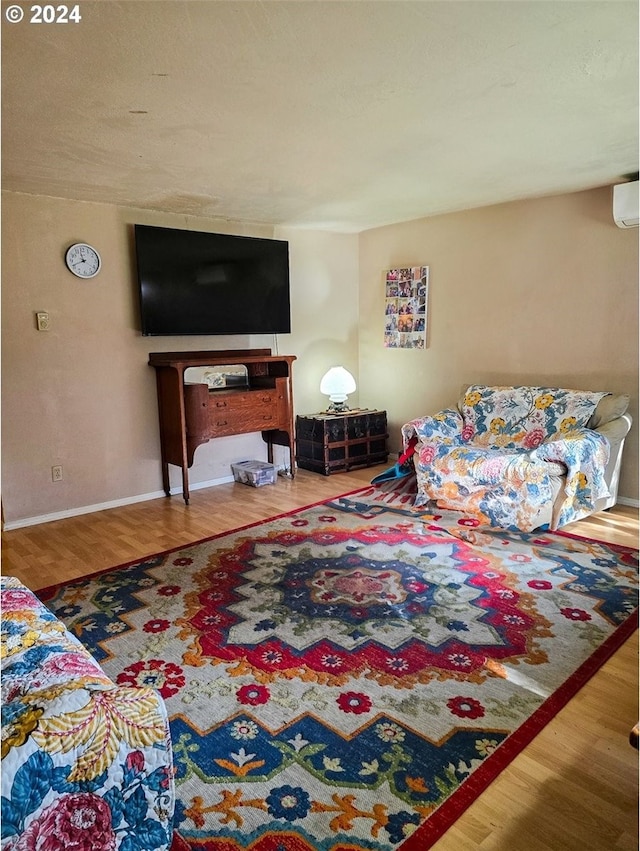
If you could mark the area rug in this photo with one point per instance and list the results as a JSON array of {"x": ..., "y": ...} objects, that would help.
[{"x": 350, "y": 676}]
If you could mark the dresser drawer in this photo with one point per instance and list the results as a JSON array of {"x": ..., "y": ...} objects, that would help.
[{"x": 238, "y": 413}]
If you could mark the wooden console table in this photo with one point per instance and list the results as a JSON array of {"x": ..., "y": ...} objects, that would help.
[{"x": 192, "y": 414}]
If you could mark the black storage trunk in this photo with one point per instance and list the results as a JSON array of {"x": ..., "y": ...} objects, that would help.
[{"x": 336, "y": 443}]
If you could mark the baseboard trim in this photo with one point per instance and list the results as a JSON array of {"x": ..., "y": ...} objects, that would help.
[
  {"x": 103, "y": 506},
  {"x": 625, "y": 500}
]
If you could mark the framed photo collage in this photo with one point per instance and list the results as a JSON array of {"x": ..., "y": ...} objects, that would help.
[{"x": 405, "y": 308}]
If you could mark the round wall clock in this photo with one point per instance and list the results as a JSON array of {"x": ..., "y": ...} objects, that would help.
[{"x": 83, "y": 260}]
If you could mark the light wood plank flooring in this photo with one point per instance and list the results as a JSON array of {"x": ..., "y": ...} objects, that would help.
[{"x": 574, "y": 787}]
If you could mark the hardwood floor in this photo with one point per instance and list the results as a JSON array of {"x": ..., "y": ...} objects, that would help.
[{"x": 574, "y": 787}]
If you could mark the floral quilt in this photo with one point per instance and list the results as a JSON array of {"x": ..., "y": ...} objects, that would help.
[
  {"x": 86, "y": 764},
  {"x": 497, "y": 456}
]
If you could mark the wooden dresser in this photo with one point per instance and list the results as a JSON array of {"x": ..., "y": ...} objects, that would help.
[{"x": 192, "y": 414}]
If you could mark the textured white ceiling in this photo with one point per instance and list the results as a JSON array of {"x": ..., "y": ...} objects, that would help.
[{"x": 334, "y": 115}]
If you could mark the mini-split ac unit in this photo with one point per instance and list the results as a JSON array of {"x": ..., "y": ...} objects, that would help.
[{"x": 625, "y": 204}]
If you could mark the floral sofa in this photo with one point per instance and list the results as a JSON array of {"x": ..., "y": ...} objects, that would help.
[
  {"x": 86, "y": 764},
  {"x": 521, "y": 457}
]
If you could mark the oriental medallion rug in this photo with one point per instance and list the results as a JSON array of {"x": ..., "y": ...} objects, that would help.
[{"x": 353, "y": 674}]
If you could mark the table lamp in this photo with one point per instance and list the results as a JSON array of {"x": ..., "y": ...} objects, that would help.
[{"x": 337, "y": 383}]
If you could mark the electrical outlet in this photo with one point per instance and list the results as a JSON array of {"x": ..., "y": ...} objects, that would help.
[
  {"x": 56, "y": 473},
  {"x": 42, "y": 321}
]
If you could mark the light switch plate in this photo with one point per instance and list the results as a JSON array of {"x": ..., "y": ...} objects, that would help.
[{"x": 42, "y": 321}]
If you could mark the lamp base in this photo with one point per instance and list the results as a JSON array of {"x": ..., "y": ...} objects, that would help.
[{"x": 338, "y": 408}]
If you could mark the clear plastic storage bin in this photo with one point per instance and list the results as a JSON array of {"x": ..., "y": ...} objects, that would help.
[{"x": 254, "y": 473}]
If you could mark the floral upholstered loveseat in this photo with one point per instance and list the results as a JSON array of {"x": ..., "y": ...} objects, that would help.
[
  {"x": 86, "y": 764},
  {"x": 521, "y": 457}
]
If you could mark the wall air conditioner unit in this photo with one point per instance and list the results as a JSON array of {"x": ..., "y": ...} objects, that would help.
[{"x": 625, "y": 204}]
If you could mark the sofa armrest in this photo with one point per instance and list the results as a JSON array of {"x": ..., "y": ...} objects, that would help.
[
  {"x": 74, "y": 740},
  {"x": 615, "y": 430},
  {"x": 444, "y": 426},
  {"x": 107, "y": 752}
]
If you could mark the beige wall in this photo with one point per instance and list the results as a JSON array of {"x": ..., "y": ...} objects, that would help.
[
  {"x": 325, "y": 309},
  {"x": 539, "y": 291},
  {"x": 82, "y": 394}
]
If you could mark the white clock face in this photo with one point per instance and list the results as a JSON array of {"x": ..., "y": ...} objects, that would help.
[{"x": 83, "y": 260}]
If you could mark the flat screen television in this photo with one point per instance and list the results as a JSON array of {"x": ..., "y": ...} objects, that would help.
[{"x": 192, "y": 282}]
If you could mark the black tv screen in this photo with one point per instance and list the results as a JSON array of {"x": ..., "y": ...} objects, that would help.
[{"x": 211, "y": 283}]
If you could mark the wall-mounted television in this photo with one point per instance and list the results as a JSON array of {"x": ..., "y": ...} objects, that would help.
[{"x": 191, "y": 282}]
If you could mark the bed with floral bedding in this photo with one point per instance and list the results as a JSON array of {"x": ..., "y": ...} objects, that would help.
[
  {"x": 518, "y": 457},
  {"x": 86, "y": 764}
]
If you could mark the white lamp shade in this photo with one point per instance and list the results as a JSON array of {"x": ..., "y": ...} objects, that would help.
[{"x": 337, "y": 383}]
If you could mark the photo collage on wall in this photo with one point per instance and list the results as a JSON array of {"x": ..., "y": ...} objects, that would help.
[{"x": 405, "y": 308}]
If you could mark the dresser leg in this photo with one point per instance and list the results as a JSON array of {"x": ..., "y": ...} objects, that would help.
[
  {"x": 165, "y": 479},
  {"x": 185, "y": 485}
]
